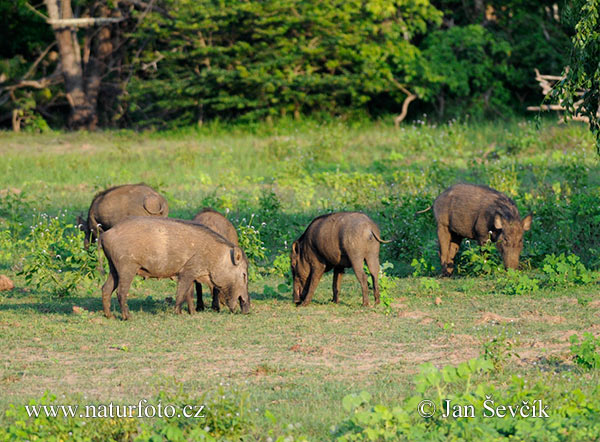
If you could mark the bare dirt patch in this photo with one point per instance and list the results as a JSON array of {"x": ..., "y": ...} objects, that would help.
[
  {"x": 487, "y": 317},
  {"x": 536, "y": 316}
]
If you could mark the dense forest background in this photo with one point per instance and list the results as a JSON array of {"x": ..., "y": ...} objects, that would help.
[{"x": 162, "y": 63}]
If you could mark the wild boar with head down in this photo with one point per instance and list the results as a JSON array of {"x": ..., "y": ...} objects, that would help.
[
  {"x": 113, "y": 205},
  {"x": 163, "y": 248},
  {"x": 480, "y": 213},
  {"x": 220, "y": 224},
  {"x": 336, "y": 241}
]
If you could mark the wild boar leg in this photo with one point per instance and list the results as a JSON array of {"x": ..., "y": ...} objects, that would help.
[
  {"x": 357, "y": 266},
  {"x": 189, "y": 297},
  {"x": 453, "y": 250},
  {"x": 337, "y": 280},
  {"x": 184, "y": 286},
  {"x": 125, "y": 279},
  {"x": 199, "y": 301},
  {"x": 216, "y": 306},
  {"x": 373, "y": 265},
  {"x": 315, "y": 276},
  {"x": 107, "y": 289},
  {"x": 444, "y": 240}
]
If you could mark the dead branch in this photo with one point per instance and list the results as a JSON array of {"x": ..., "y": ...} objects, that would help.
[
  {"x": 409, "y": 98},
  {"x": 83, "y": 22}
]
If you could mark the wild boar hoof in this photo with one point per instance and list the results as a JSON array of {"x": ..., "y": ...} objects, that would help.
[{"x": 108, "y": 315}]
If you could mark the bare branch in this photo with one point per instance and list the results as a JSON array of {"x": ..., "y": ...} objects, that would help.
[
  {"x": 83, "y": 22},
  {"x": 31, "y": 70}
]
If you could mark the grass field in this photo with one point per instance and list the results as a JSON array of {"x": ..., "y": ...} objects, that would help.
[{"x": 299, "y": 363}]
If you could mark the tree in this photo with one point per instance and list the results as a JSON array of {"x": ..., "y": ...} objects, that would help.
[
  {"x": 258, "y": 59},
  {"x": 583, "y": 70},
  {"x": 90, "y": 51}
]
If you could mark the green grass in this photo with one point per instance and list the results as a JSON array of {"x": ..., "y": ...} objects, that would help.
[{"x": 300, "y": 362}]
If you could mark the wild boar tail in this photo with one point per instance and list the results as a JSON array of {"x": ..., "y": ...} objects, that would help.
[
  {"x": 100, "y": 251},
  {"x": 379, "y": 239},
  {"x": 423, "y": 211}
]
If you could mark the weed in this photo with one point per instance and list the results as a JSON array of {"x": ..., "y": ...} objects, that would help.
[
  {"x": 565, "y": 270},
  {"x": 517, "y": 283},
  {"x": 499, "y": 350},
  {"x": 587, "y": 351},
  {"x": 57, "y": 260},
  {"x": 479, "y": 260}
]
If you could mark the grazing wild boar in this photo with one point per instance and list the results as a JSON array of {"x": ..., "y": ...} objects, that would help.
[
  {"x": 163, "y": 248},
  {"x": 113, "y": 205},
  {"x": 480, "y": 213},
  {"x": 217, "y": 223},
  {"x": 336, "y": 241}
]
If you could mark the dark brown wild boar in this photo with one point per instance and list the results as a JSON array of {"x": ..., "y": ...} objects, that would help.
[
  {"x": 163, "y": 248},
  {"x": 217, "y": 223},
  {"x": 478, "y": 212},
  {"x": 336, "y": 241},
  {"x": 117, "y": 203}
]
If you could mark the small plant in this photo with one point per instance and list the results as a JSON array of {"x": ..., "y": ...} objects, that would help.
[
  {"x": 57, "y": 260},
  {"x": 479, "y": 260},
  {"x": 386, "y": 284},
  {"x": 252, "y": 244},
  {"x": 422, "y": 267},
  {"x": 499, "y": 350},
  {"x": 587, "y": 352},
  {"x": 429, "y": 285},
  {"x": 565, "y": 270},
  {"x": 281, "y": 265},
  {"x": 517, "y": 283}
]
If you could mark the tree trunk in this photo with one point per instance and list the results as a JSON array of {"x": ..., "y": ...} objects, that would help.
[{"x": 83, "y": 112}]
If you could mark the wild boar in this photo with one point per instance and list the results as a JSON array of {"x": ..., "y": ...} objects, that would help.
[
  {"x": 336, "y": 241},
  {"x": 117, "y": 203},
  {"x": 163, "y": 248},
  {"x": 480, "y": 213},
  {"x": 221, "y": 225}
]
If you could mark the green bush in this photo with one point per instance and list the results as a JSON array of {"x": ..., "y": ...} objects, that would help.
[
  {"x": 56, "y": 259},
  {"x": 514, "y": 282},
  {"x": 251, "y": 243},
  {"x": 565, "y": 270},
  {"x": 478, "y": 260},
  {"x": 586, "y": 353},
  {"x": 572, "y": 416}
]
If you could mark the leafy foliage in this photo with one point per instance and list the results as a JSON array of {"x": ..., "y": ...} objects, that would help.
[
  {"x": 565, "y": 270},
  {"x": 587, "y": 351},
  {"x": 56, "y": 260},
  {"x": 582, "y": 71},
  {"x": 518, "y": 283},
  {"x": 261, "y": 59},
  {"x": 478, "y": 260},
  {"x": 463, "y": 385}
]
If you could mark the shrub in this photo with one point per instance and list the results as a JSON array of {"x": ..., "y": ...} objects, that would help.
[
  {"x": 57, "y": 261},
  {"x": 251, "y": 243},
  {"x": 572, "y": 416},
  {"x": 387, "y": 284},
  {"x": 586, "y": 353},
  {"x": 565, "y": 270},
  {"x": 478, "y": 260},
  {"x": 517, "y": 283}
]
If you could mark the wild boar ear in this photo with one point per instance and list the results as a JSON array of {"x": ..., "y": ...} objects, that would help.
[
  {"x": 82, "y": 224},
  {"x": 236, "y": 255},
  {"x": 527, "y": 222},
  {"x": 497, "y": 222},
  {"x": 295, "y": 247}
]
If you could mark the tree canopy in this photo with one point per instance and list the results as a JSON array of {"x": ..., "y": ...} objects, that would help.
[{"x": 174, "y": 62}]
